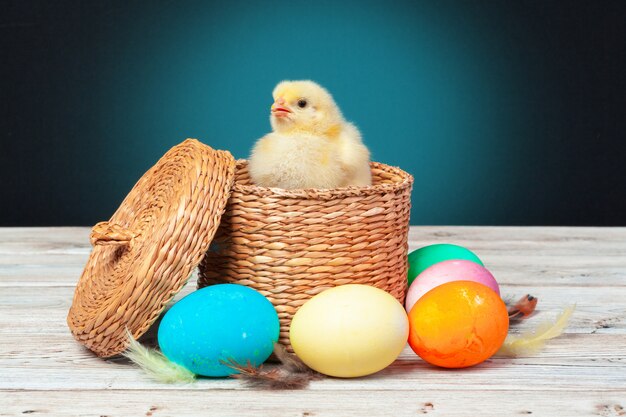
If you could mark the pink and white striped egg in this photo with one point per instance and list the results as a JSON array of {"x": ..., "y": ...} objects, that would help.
[{"x": 448, "y": 271}]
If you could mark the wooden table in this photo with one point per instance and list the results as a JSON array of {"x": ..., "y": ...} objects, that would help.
[{"x": 43, "y": 371}]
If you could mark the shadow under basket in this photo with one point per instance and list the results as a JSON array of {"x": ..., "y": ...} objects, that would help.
[{"x": 293, "y": 244}]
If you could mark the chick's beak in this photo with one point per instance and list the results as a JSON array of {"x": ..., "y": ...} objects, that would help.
[{"x": 279, "y": 109}]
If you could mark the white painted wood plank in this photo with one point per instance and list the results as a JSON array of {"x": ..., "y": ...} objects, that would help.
[
  {"x": 473, "y": 234},
  {"x": 516, "y": 236},
  {"x": 549, "y": 240},
  {"x": 517, "y": 256},
  {"x": 493, "y": 375},
  {"x": 35, "y": 235},
  {"x": 34, "y": 310},
  {"x": 574, "y": 361},
  {"x": 418, "y": 401},
  {"x": 529, "y": 270},
  {"x": 56, "y": 351}
]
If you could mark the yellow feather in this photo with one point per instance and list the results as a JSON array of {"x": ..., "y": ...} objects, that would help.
[
  {"x": 155, "y": 364},
  {"x": 533, "y": 341}
]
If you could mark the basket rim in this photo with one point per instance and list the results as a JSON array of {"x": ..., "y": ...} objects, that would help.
[{"x": 330, "y": 193}]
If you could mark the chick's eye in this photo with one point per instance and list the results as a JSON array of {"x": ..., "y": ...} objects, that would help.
[{"x": 302, "y": 103}]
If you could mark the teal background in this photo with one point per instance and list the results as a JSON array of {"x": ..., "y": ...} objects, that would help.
[{"x": 505, "y": 113}]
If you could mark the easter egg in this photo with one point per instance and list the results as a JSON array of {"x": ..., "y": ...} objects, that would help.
[
  {"x": 349, "y": 331},
  {"x": 458, "y": 324},
  {"x": 422, "y": 258},
  {"x": 219, "y": 323},
  {"x": 448, "y": 271}
]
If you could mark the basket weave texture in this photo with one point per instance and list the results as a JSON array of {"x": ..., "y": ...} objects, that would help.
[
  {"x": 293, "y": 244},
  {"x": 146, "y": 252}
]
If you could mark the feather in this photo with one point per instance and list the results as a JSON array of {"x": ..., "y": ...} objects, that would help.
[
  {"x": 533, "y": 341},
  {"x": 155, "y": 364},
  {"x": 292, "y": 373},
  {"x": 524, "y": 307},
  {"x": 276, "y": 378},
  {"x": 290, "y": 361}
]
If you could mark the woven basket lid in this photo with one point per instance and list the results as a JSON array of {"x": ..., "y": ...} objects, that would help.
[{"x": 146, "y": 252}]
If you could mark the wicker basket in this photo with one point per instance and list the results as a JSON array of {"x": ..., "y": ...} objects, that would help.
[{"x": 293, "y": 244}]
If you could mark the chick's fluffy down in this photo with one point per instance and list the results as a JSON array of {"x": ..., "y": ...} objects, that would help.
[
  {"x": 311, "y": 146},
  {"x": 305, "y": 160}
]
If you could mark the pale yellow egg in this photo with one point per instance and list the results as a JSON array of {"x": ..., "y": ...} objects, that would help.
[{"x": 349, "y": 331}]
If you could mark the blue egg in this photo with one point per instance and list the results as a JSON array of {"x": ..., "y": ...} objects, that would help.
[{"x": 219, "y": 322}]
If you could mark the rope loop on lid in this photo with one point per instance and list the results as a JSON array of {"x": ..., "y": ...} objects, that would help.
[{"x": 105, "y": 233}]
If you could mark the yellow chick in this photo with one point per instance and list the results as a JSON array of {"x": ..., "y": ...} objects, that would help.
[{"x": 311, "y": 145}]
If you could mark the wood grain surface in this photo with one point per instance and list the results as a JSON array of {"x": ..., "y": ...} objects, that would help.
[{"x": 43, "y": 371}]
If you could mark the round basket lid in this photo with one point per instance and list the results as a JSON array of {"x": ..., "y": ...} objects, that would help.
[{"x": 146, "y": 252}]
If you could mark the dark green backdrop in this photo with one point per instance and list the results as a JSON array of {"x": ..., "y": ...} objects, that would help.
[{"x": 505, "y": 112}]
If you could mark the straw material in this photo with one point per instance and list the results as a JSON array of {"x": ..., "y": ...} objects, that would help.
[
  {"x": 146, "y": 252},
  {"x": 293, "y": 244}
]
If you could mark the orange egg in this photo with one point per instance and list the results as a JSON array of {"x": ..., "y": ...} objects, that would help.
[{"x": 458, "y": 324}]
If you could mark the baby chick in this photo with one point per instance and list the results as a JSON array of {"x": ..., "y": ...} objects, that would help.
[{"x": 311, "y": 145}]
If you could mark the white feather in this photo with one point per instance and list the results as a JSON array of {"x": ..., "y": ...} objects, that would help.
[{"x": 534, "y": 340}]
